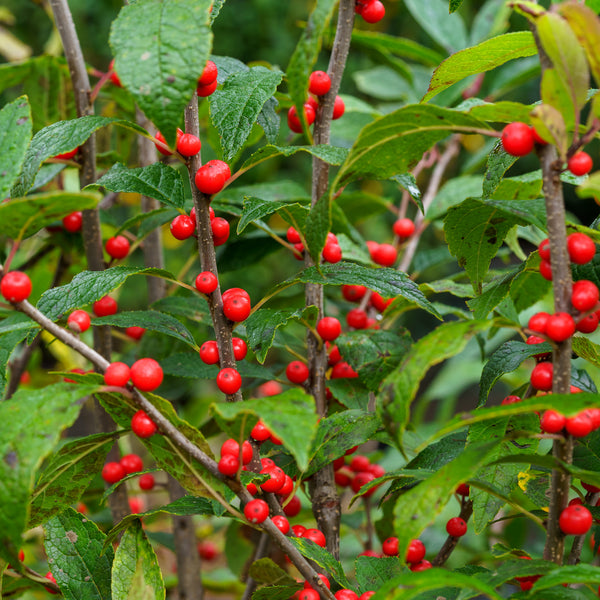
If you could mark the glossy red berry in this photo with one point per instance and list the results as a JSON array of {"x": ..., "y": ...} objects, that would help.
[
  {"x": 117, "y": 247},
  {"x": 79, "y": 321},
  {"x": 316, "y": 536},
  {"x": 210, "y": 178},
  {"x": 544, "y": 249},
  {"x": 229, "y": 465},
  {"x": 357, "y": 318},
  {"x": 343, "y": 370},
  {"x": 297, "y": 371},
  {"x": 182, "y": 227},
  {"x": 135, "y": 332},
  {"x": 346, "y": 594},
  {"x": 240, "y": 348},
  {"x": 132, "y": 463},
  {"x": 379, "y": 302},
  {"x": 142, "y": 425},
  {"x": 207, "y": 550},
  {"x": 146, "y": 374},
  {"x": 236, "y": 307},
  {"x": 15, "y": 286},
  {"x": 52, "y": 579},
  {"x": 292, "y": 507},
  {"x": 560, "y": 326},
  {"x": 73, "y": 222},
  {"x": 188, "y": 145},
  {"x": 456, "y": 527},
  {"x": 541, "y": 376},
  {"x": 307, "y": 594},
  {"x": 585, "y": 295},
  {"x": 68, "y": 155},
  {"x": 588, "y": 324},
  {"x": 373, "y": 12},
  {"x": 552, "y": 422},
  {"x": 206, "y": 282},
  {"x": 209, "y": 74},
  {"x": 354, "y": 293},
  {"x": 403, "y": 228},
  {"x": 117, "y": 373},
  {"x": 319, "y": 83},
  {"x": 580, "y": 424},
  {"x": 161, "y": 143},
  {"x": 276, "y": 478},
  {"x": 256, "y": 511},
  {"x": 332, "y": 253},
  {"x": 105, "y": 306},
  {"x": 206, "y": 90},
  {"x": 113, "y": 472},
  {"x": 546, "y": 270},
  {"x": 416, "y": 552},
  {"x": 580, "y": 163},
  {"x": 329, "y": 328},
  {"x": 360, "y": 480},
  {"x": 385, "y": 255},
  {"x": 390, "y": 546},
  {"x": 209, "y": 352},
  {"x": 292, "y": 235},
  {"x": 517, "y": 139},
  {"x": 581, "y": 248},
  {"x": 229, "y": 381},
  {"x": 538, "y": 322},
  {"x": 339, "y": 108},
  {"x": 146, "y": 481},
  {"x": 575, "y": 520},
  {"x": 293, "y": 119}
]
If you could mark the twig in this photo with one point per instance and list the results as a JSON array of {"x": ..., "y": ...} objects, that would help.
[{"x": 466, "y": 510}]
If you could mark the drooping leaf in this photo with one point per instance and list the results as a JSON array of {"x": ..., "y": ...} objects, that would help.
[
  {"x": 67, "y": 475},
  {"x": 77, "y": 559},
  {"x": 262, "y": 325},
  {"x": 399, "y": 388},
  {"x": 235, "y": 108},
  {"x": 159, "y": 181},
  {"x": 395, "y": 143},
  {"x": 88, "y": 286},
  {"x": 136, "y": 574},
  {"x": 32, "y": 422},
  {"x": 290, "y": 416},
  {"x": 322, "y": 558},
  {"x": 484, "y": 57},
  {"x": 161, "y": 67},
  {"x": 15, "y": 134}
]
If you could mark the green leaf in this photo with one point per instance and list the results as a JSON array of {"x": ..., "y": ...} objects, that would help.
[
  {"x": 88, "y": 286},
  {"x": 68, "y": 474},
  {"x": 13, "y": 330},
  {"x": 587, "y": 350},
  {"x": 395, "y": 143},
  {"x": 256, "y": 209},
  {"x": 550, "y": 124},
  {"x": 568, "y": 574},
  {"x": 306, "y": 52},
  {"x": 447, "y": 30},
  {"x": 235, "y": 108},
  {"x": 590, "y": 188},
  {"x": 498, "y": 162},
  {"x": 323, "y": 559},
  {"x": 555, "y": 93},
  {"x": 493, "y": 294},
  {"x": 454, "y": 5},
  {"x": 262, "y": 325},
  {"x": 317, "y": 226},
  {"x": 338, "y": 433},
  {"x": 372, "y": 573},
  {"x": 136, "y": 574},
  {"x": 290, "y": 416},
  {"x": 152, "y": 320},
  {"x": 484, "y": 57},
  {"x": 15, "y": 134},
  {"x": 161, "y": 67},
  {"x": 506, "y": 359},
  {"x": 264, "y": 570},
  {"x": 474, "y": 231},
  {"x": 388, "y": 282},
  {"x": 491, "y": 18},
  {"x": 375, "y": 354},
  {"x": 276, "y": 592},
  {"x": 77, "y": 559},
  {"x": 33, "y": 421},
  {"x": 159, "y": 181},
  {"x": 399, "y": 389}
]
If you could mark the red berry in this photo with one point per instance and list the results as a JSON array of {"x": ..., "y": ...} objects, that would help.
[
  {"x": 51, "y": 578},
  {"x": 575, "y": 520},
  {"x": 79, "y": 321},
  {"x": 142, "y": 425},
  {"x": 538, "y": 322},
  {"x": 229, "y": 465},
  {"x": 210, "y": 178},
  {"x": 510, "y": 400},
  {"x": 292, "y": 235},
  {"x": 353, "y": 293},
  {"x": 319, "y": 83},
  {"x": 360, "y": 480},
  {"x": 206, "y": 90},
  {"x": 68, "y": 155},
  {"x": 316, "y": 536},
  {"x": 281, "y": 523},
  {"x": 546, "y": 270},
  {"x": 297, "y": 371},
  {"x": 588, "y": 324},
  {"x": 390, "y": 546},
  {"x": 338, "y": 108},
  {"x": 113, "y": 74},
  {"x": 206, "y": 282},
  {"x": 416, "y": 552},
  {"x": 332, "y": 253},
  {"x": 260, "y": 432},
  {"x": 117, "y": 247},
  {"x": 359, "y": 463},
  {"x": 15, "y": 286},
  {"x": 146, "y": 481},
  {"x": 132, "y": 463},
  {"x": 293, "y": 507},
  {"x": 146, "y": 374},
  {"x": 552, "y": 422},
  {"x": 373, "y": 12},
  {"x": 135, "y": 332},
  {"x": 463, "y": 489},
  {"x": 240, "y": 348},
  {"x": 580, "y": 163},
  {"x": 366, "y": 595},
  {"x": 276, "y": 478},
  {"x": 229, "y": 381},
  {"x": 580, "y": 424},
  {"x": 544, "y": 249},
  {"x": 378, "y": 302},
  {"x": 207, "y": 550},
  {"x": 182, "y": 227},
  {"x": 581, "y": 248},
  {"x": 560, "y": 326},
  {"x": 343, "y": 370},
  {"x": 256, "y": 511},
  {"x": 209, "y": 74},
  {"x": 421, "y": 566},
  {"x": 73, "y": 222},
  {"x": 117, "y": 373},
  {"x": 113, "y": 472},
  {"x": 188, "y": 145},
  {"x": 237, "y": 307},
  {"x": 456, "y": 527},
  {"x": 334, "y": 356},
  {"x": 585, "y": 295},
  {"x": 323, "y": 578},
  {"x": 105, "y": 306},
  {"x": 294, "y": 121},
  {"x": 346, "y": 594},
  {"x": 329, "y": 328},
  {"x": 385, "y": 255},
  {"x": 541, "y": 376},
  {"x": 357, "y": 318},
  {"x": 209, "y": 352},
  {"x": 404, "y": 228},
  {"x": 307, "y": 594},
  {"x": 162, "y": 145},
  {"x": 220, "y": 228},
  {"x": 517, "y": 139}
]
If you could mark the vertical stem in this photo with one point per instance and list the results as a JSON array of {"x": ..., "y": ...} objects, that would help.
[{"x": 325, "y": 500}]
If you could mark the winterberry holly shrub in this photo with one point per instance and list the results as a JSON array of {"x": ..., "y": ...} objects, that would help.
[{"x": 320, "y": 328}]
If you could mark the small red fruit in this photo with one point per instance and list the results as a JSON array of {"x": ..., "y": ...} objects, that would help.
[
  {"x": 316, "y": 536},
  {"x": 236, "y": 307},
  {"x": 353, "y": 293},
  {"x": 544, "y": 249},
  {"x": 229, "y": 465},
  {"x": 73, "y": 222},
  {"x": 207, "y": 550},
  {"x": 329, "y": 328},
  {"x": 292, "y": 235},
  {"x": 132, "y": 463},
  {"x": 113, "y": 472},
  {"x": 581, "y": 248},
  {"x": 541, "y": 376},
  {"x": 117, "y": 247},
  {"x": 456, "y": 527},
  {"x": 209, "y": 352},
  {"x": 105, "y": 306},
  {"x": 68, "y": 155},
  {"x": 332, "y": 253},
  {"x": 580, "y": 163},
  {"x": 229, "y": 381},
  {"x": 339, "y": 108},
  {"x": 293, "y": 507},
  {"x": 281, "y": 523},
  {"x": 210, "y": 178},
  {"x": 142, "y": 425},
  {"x": 52, "y": 579},
  {"x": 343, "y": 370},
  {"x": 420, "y": 566},
  {"x": 206, "y": 90},
  {"x": 403, "y": 228},
  {"x": 373, "y": 12},
  {"x": 15, "y": 286},
  {"x": 560, "y": 326},
  {"x": 538, "y": 322},
  {"x": 390, "y": 546},
  {"x": 294, "y": 121},
  {"x": 357, "y": 318},
  {"x": 240, "y": 348},
  {"x": 188, "y": 145},
  {"x": 146, "y": 481},
  {"x": 256, "y": 511},
  {"x": 117, "y": 374},
  {"x": 206, "y": 282},
  {"x": 552, "y": 422},
  {"x": 546, "y": 270},
  {"x": 585, "y": 295},
  {"x": 135, "y": 332},
  {"x": 346, "y": 594},
  {"x": 146, "y": 374},
  {"x": 297, "y": 371},
  {"x": 580, "y": 424},
  {"x": 517, "y": 139},
  {"x": 319, "y": 83},
  {"x": 360, "y": 480},
  {"x": 575, "y": 520},
  {"x": 182, "y": 227},
  {"x": 79, "y": 321},
  {"x": 416, "y": 552}
]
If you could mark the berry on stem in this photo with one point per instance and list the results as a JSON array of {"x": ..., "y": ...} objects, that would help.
[
  {"x": 105, "y": 306},
  {"x": 146, "y": 481},
  {"x": 132, "y": 463},
  {"x": 117, "y": 247},
  {"x": 580, "y": 163},
  {"x": 117, "y": 374},
  {"x": 229, "y": 381},
  {"x": 256, "y": 511},
  {"x": 373, "y": 12},
  {"x": 188, "y": 145},
  {"x": 293, "y": 119},
  {"x": 339, "y": 108},
  {"x": 517, "y": 139},
  {"x": 15, "y": 286},
  {"x": 210, "y": 178},
  {"x": 404, "y": 228},
  {"x": 456, "y": 527},
  {"x": 209, "y": 352},
  {"x": 581, "y": 248},
  {"x": 329, "y": 328},
  {"x": 79, "y": 321},
  {"x": 73, "y": 222},
  {"x": 297, "y": 371},
  {"x": 113, "y": 472},
  {"x": 182, "y": 227},
  {"x": 575, "y": 520},
  {"x": 206, "y": 282},
  {"x": 146, "y": 374},
  {"x": 142, "y": 425},
  {"x": 319, "y": 83}
]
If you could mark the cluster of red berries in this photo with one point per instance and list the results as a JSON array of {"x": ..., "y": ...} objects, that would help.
[
  {"x": 332, "y": 252},
  {"x": 184, "y": 226},
  {"x": 145, "y": 374},
  {"x": 414, "y": 555},
  {"x": 356, "y": 474},
  {"x": 207, "y": 82},
  {"x": 309, "y": 593},
  {"x": 79, "y": 320},
  {"x": 518, "y": 139},
  {"x": 372, "y": 11},
  {"x": 581, "y": 249},
  {"x": 112, "y": 472},
  {"x": 186, "y": 144}
]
